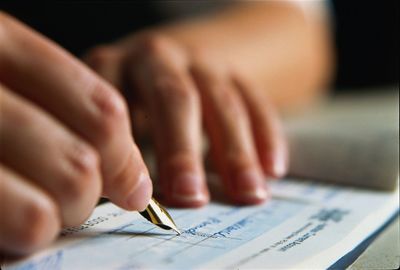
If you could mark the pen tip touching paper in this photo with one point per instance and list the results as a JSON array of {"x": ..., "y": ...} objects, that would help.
[
  {"x": 158, "y": 215},
  {"x": 177, "y": 231}
]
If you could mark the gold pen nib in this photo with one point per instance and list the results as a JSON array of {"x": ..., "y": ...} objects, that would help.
[{"x": 158, "y": 215}]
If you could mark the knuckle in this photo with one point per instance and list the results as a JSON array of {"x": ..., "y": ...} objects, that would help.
[
  {"x": 154, "y": 44},
  {"x": 100, "y": 56},
  {"x": 206, "y": 64},
  {"x": 73, "y": 186},
  {"x": 112, "y": 111},
  {"x": 81, "y": 185},
  {"x": 202, "y": 59},
  {"x": 80, "y": 182},
  {"x": 81, "y": 175},
  {"x": 170, "y": 90},
  {"x": 84, "y": 159},
  {"x": 41, "y": 224}
]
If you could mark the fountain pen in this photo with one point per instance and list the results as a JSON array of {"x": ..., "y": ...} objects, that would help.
[{"x": 158, "y": 215}]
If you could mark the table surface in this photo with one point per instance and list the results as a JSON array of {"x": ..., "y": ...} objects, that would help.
[{"x": 384, "y": 251}]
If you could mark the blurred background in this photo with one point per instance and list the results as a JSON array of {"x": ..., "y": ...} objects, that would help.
[{"x": 365, "y": 32}]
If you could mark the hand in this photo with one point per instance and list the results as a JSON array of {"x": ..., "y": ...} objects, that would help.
[
  {"x": 65, "y": 138},
  {"x": 178, "y": 88}
]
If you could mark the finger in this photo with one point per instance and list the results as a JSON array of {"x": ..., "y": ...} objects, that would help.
[
  {"x": 268, "y": 134},
  {"x": 82, "y": 101},
  {"x": 174, "y": 111},
  {"x": 228, "y": 127},
  {"x": 29, "y": 217},
  {"x": 107, "y": 62},
  {"x": 41, "y": 149}
]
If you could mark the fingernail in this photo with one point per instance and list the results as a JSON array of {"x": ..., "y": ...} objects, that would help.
[
  {"x": 280, "y": 167},
  {"x": 279, "y": 164},
  {"x": 275, "y": 164},
  {"x": 141, "y": 195},
  {"x": 250, "y": 187},
  {"x": 188, "y": 187}
]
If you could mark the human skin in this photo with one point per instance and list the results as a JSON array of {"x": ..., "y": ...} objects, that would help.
[
  {"x": 65, "y": 132},
  {"x": 227, "y": 74},
  {"x": 65, "y": 139}
]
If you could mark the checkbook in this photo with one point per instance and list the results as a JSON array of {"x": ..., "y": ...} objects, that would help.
[{"x": 304, "y": 225}]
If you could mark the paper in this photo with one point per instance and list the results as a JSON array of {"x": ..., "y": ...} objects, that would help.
[
  {"x": 351, "y": 140},
  {"x": 304, "y": 225}
]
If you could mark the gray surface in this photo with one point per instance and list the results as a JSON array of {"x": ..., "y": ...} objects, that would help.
[
  {"x": 383, "y": 253},
  {"x": 348, "y": 140}
]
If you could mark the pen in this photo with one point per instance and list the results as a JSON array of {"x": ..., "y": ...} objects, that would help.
[{"x": 158, "y": 215}]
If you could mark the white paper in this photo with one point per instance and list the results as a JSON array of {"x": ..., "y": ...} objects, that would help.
[{"x": 304, "y": 225}]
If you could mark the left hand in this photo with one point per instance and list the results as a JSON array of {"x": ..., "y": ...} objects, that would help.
[{"x": 178, "y": 88}]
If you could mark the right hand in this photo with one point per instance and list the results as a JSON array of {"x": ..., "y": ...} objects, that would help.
[{"x": 65, "y": 139}]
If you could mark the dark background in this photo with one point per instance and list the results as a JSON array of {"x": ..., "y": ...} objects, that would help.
[
  {"x": 366, "y": 32},
  {"x": 367, "y": 43}
]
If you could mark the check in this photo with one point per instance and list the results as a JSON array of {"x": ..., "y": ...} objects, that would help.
[{"x": 304, "y": 225}]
